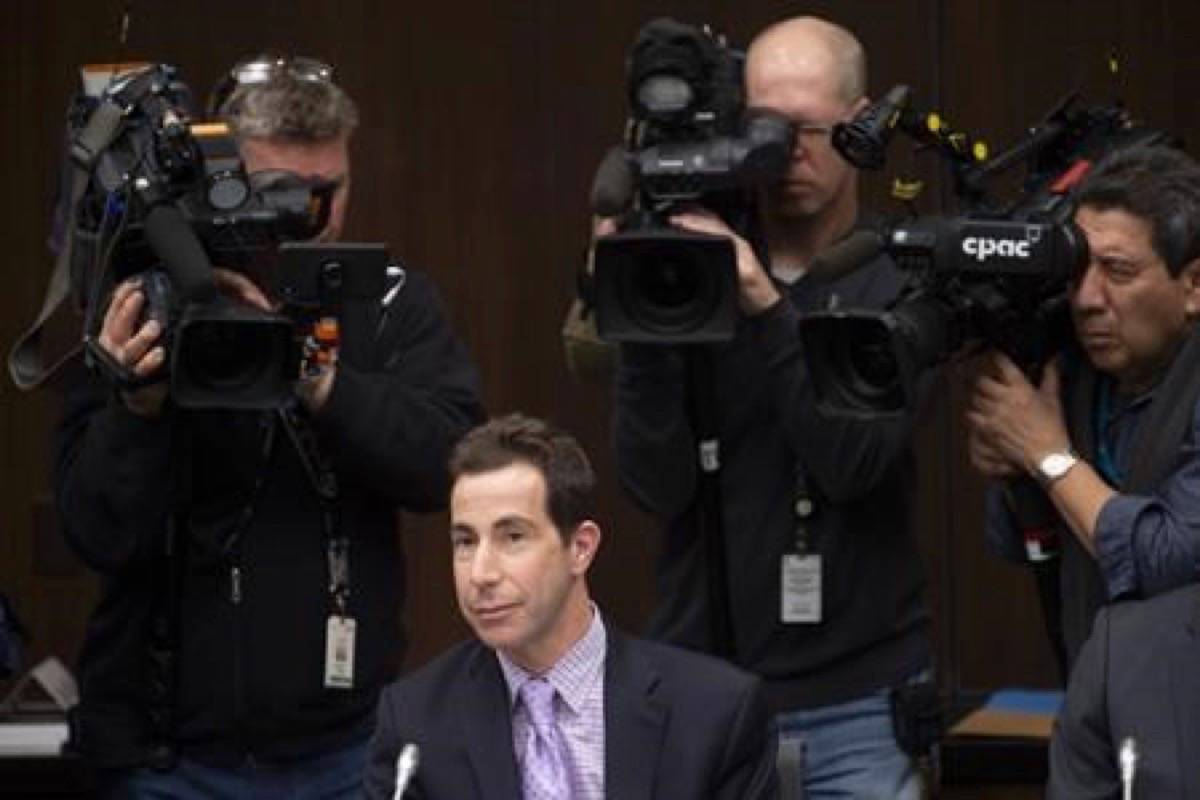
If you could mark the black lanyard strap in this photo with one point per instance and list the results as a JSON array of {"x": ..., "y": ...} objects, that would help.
[
  {"x": 324, "y": 482},
  {"x": 803, "y": 508}
]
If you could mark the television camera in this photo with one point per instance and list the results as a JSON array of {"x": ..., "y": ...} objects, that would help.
[
  {"x": 997, "y": 275},
  {"x": 160, "y": 198},
  {"x": 690, "y": 141}
]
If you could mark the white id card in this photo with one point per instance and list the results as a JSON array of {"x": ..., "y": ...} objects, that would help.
[
  {"x": 800, "y": 589},
  {"x": 339, "y": 652}
]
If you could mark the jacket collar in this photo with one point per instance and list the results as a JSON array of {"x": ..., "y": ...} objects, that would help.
[
  {"x": 485, "y": 717},
  {"x": 635, "y": 722}
]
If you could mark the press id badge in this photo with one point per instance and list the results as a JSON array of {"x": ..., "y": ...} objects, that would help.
[
  {"x": 339, "y": 652},
  {"x": 800, "y": 589}
]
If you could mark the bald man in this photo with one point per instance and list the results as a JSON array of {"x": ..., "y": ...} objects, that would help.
[{"x": 825, "y": 587}]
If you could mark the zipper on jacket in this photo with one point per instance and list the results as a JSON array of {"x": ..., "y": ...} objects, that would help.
[{"x": 235, "y": 585}]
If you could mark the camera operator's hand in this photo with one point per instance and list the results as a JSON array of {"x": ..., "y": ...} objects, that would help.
[
  {"x": 312, "y": 391},
  {"x": 603, "y": 226},
  {"x": 756, "y": 292},
  {"x": 987, "y": 459},
  {"x": 135, "y": 346},
  {"x": 1013, "y": 425},
  {"x": 238, "y": 287}
]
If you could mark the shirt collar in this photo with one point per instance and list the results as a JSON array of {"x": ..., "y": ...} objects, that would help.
[
  {"x": 572, "y": 674},
  {"x": 1120, "y": 405}
]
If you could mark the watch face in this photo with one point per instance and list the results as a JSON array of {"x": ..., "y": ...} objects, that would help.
[{"x": 1056, "y": 465}]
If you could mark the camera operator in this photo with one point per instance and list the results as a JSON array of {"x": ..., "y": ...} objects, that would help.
[
  {"x": 246, "y": 624},
  {"x": 1111, "y": 432},
  {"x": 825, "y": 586}
]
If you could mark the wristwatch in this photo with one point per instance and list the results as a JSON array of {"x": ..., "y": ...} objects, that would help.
[{"x": 1053, "y": 466}]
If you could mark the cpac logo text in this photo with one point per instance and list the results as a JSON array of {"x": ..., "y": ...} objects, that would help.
[{"x": 982, "y": 248}]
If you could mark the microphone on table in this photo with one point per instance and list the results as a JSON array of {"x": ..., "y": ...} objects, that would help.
[
  {"x": 406, "y": 767},
  {"x": 1128, "y": 759}
]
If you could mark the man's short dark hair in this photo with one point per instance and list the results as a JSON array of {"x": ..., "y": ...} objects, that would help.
[
  {"x": 1158, "y": 184},
  {"x": 517, "y": 439}
]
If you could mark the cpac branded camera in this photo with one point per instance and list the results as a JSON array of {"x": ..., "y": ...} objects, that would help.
[
  {"x": 993, "y": 276},
  {"x": 690, "y": 141},
  {"x": 997, "y": 281}
]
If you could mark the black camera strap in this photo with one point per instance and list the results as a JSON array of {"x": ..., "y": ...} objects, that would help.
[{"x": 25, "y": 363}]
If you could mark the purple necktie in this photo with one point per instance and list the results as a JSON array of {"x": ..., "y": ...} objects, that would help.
[{"x": 544, "y": 768}]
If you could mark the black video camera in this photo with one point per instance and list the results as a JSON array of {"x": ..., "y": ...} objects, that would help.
[
  {"x": 994, "y": 277},
  {"x": 690, "y": 141},
  {"x": 998, "y": 281},
  {"x": 156, "y": 196}
]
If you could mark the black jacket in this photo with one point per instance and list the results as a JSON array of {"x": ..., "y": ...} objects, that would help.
[
  {"x": 249, "y": 668},
  {"x": 859, "y": 473},
  {"x": 677, "y": 725}
]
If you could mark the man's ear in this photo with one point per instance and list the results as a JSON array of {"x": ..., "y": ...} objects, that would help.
[
  {"x": 585, "y": 541},
  {"x": 1189, "y": 278}
]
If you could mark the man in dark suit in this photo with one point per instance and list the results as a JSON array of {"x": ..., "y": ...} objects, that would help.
[
  {"x": 549, "y": 701},
  {"x": 1133, "y": 704}
]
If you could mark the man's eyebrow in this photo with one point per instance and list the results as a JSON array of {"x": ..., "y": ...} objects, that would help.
[
  {"x": 507, "y": 521},
  {"x": 513, "y": 521}
]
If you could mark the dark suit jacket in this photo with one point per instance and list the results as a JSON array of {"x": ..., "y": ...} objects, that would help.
[
  {"x": 678, "y": 725},
  {"x": 1138, "y": 676}
]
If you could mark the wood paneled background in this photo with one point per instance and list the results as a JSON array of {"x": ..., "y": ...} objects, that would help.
[{"x": 482, "y": 124}]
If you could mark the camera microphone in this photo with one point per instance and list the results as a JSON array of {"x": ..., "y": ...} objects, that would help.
[
  {"x": 613, "y": 186},
  {"x": 864, "y": 140},
  {"x": 846, "y": 256},
  {"x": 173, "y": 240}
]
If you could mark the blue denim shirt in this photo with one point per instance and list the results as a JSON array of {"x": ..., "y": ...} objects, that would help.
[{"x": 1145, "y": 543}]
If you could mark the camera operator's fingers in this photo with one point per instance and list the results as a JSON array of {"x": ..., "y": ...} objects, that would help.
[
  {"x": 121, "y": 316},
  {"x": 991, "y": 366},
  {"x": 314, "y": 391},
  {"x": 986, "y": 458},
  {"x": 702, "y": 220},
  {"x": 987, "y": 391},
  {"x": 1051, "y": 381},
  {"x": 1008, "y": 371},
  {"x": 756, "y": 292},
  {"x": 238, "y": 287},
  {"x": 137, "y": 347},
  {"x": 603, "y": 226},
  {"x": 150, "y": 362}
]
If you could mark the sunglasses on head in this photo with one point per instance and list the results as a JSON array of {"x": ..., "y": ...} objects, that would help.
[{"x": 264, "y": 69}]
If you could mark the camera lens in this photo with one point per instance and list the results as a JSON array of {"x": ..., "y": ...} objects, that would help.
[
  {"x": 871, "y": 369},
  {"x": 224, "y": 356},
  {"x": 853, "y": 361},
  {"x": 668, "y": 294}
]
